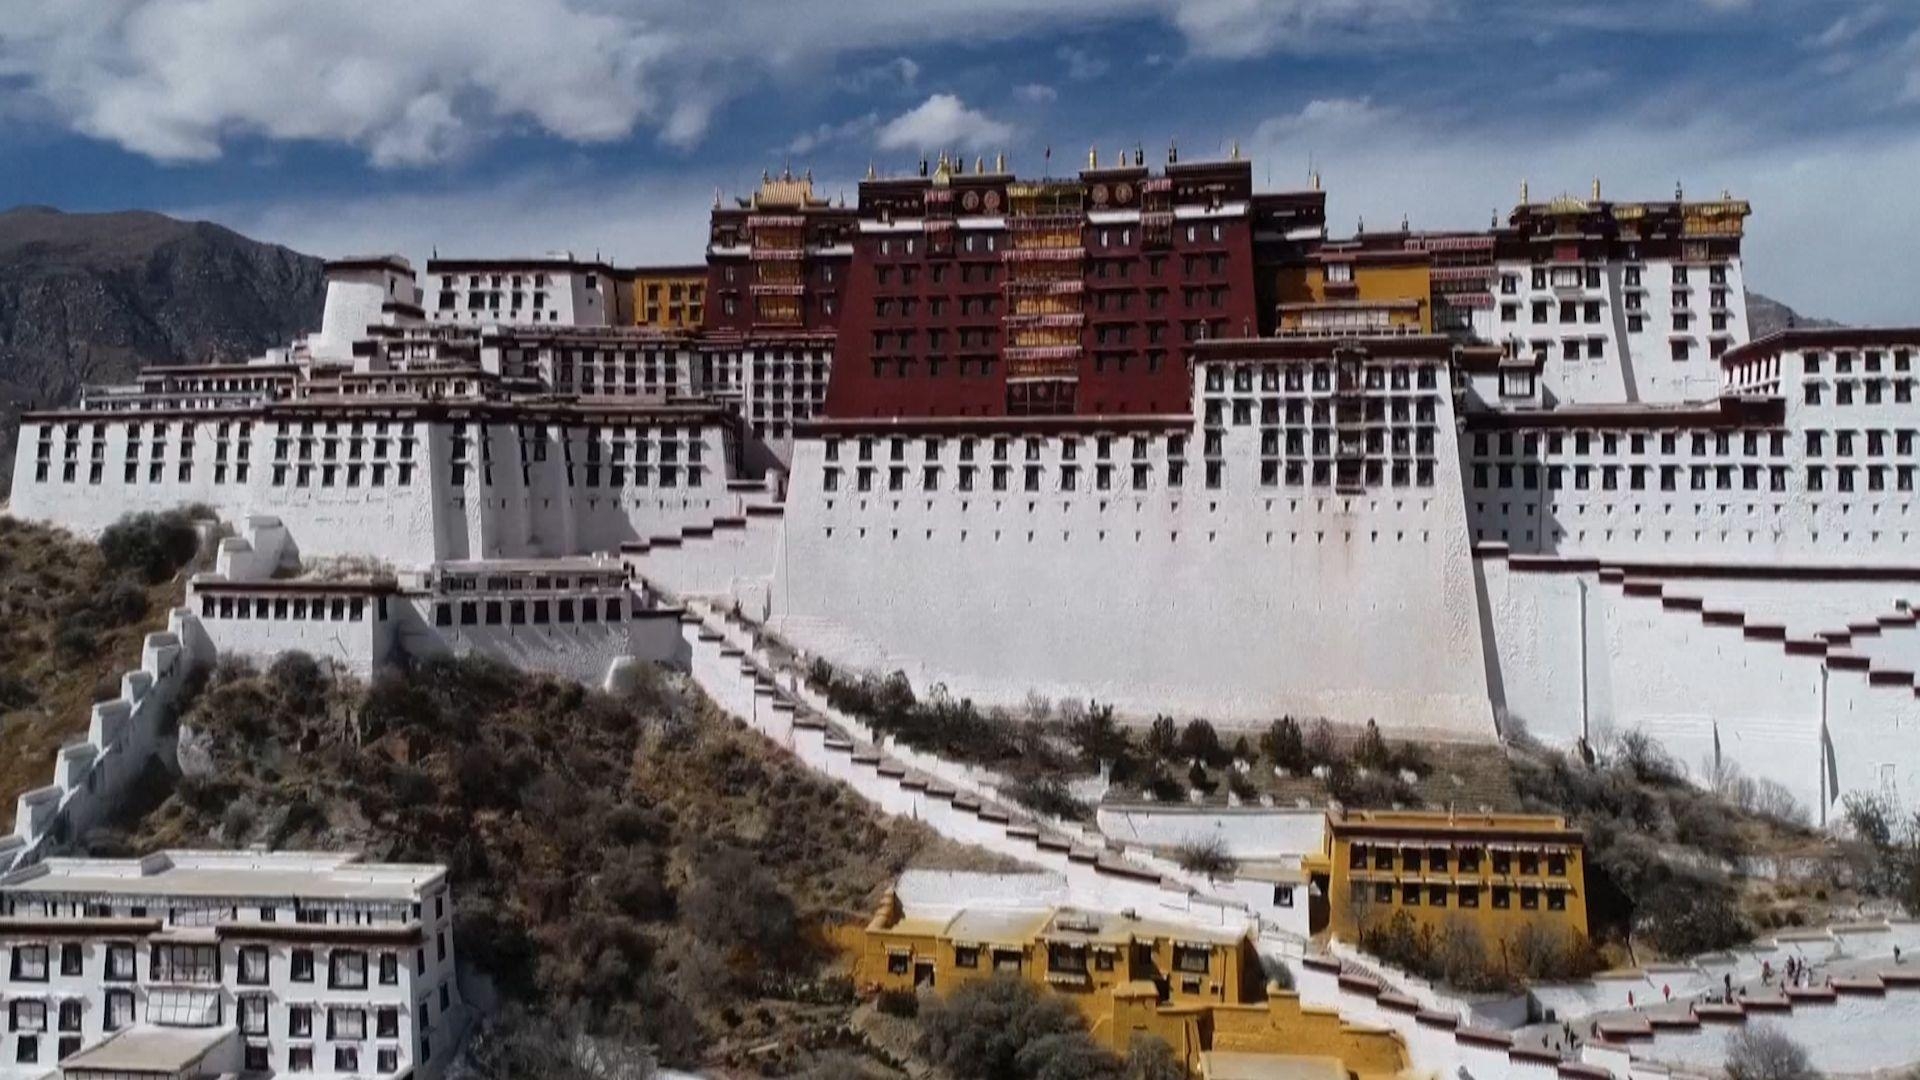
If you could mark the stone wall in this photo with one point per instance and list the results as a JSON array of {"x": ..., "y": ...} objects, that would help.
[{"x": 91, "y": 776}]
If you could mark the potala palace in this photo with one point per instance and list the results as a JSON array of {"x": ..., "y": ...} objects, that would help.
[{"x": 1142, "y": 435}]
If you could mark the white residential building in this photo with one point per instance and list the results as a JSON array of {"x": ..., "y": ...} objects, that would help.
[
  {"x": 556, "y": 290},
  {"x": 206, "y": 963}
]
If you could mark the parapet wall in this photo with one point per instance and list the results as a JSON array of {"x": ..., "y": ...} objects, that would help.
[
  {"x": 1586, "y": 650},
  {"x": 91, "y": 776}
]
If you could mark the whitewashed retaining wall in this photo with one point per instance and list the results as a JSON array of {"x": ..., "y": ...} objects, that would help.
[
  {"x": 1701, "y": 678},
  {"x": 1248, "y": 832},
  {"x": 1240, "y": 604},
  {"x": 90, "y": 777}
]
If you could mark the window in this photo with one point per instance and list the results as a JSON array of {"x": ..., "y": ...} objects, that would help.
[
  {"x": 1469, "y": 896},
  {"x": 300, "y": 1058},
  {"x": 72, "y": 958},
  {"x": 259, "y": 1057},
  {"x": 301, "y": 964},
  {"x": 1283, "y": 896},
  {"x": 119, "y": 1009},
  {"x": 253, "y": 965},
  {"x": 346, "y": 1025},
  {"x": 1529, "y": 898},
  {"x": 1501, "y": 899},
  {"x": 1192, "y": 959},
  {"x": 30, "y": 963},
  {"x": 966, "y": 956},
  {"x": 70, "y": 1014},
  {"x": 1556, "y": 900},
  {"x": 389, "y": 968},
  {"x": 185, "y": 964},
  {"x": 27, "y": 1014},
  {"x": 253, "y": 1014},
  {"x": 386, "y": 1022},
  {"x": 300, "y": 1021}
]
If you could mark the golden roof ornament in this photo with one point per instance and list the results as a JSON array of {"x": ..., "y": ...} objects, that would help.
[
  {"x": 1093, "y": 157},
  {"x": 1596, "y": 189},
  {"x": 871, "y": 174},
  {"x": 1233, "y": 154},
  {"x": 1000, "y": 162},
  {"x": 1523, "y": 191}
]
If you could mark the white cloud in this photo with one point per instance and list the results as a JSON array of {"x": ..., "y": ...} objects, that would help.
[
  {"x": 1831, "y": 230},
  {"x": 1236, "y": 29},
  {"x": 901, "y": 71},
  {"x": 829, "y": 134},
  {"x": 408, "y": 83},
  {"x": 417, "y": 82},
  {"x": 1035, "y": 93},
  {"x": 1081, "y": 65},
  {"x": 943, "y": 121}
]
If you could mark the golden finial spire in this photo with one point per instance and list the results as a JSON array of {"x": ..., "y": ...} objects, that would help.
[
  {"x": 1233, "y": 154},
  {"x": 871, "y": 174},
  {"x": 1679, "y": 193},
  {"x": 979, "y": 166},
  {"x": 1000, "y": 162},
  {"x": 1093, "y": 157},
  {"x": 1403, "y": 223},
  {"x": 1523, "y": 191},
  {"x": 1596, "y": 189},
  {"x": 1316, "y": 179}
]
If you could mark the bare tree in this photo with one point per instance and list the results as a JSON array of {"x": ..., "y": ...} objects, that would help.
[{"x": 1764, "y": 1052}]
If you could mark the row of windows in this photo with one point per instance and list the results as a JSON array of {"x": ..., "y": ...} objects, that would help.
[
  {"x": 1317, "y": 377},
  {"x": 1869, "y": 392},
  {"x": 297, "y": 608},
  {"x": 1718, "y": 445},
  {"x": 1412, "y": 859},
  {"x": 534, "y": 612},
  {"x": 1033, "y": 478},
  {"x": 156, "y": 473},
  {"x": 1572, "y": 277},
  {"x": 1001, "y": 447},
  {"x": 1371, "y": 410},
  {"x": 1465, "y": 896},
  {"x": 1870, "y": 361}
]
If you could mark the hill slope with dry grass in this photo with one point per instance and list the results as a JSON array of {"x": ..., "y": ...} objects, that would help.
[
  {"x": 70, "y": 624},
  {"x": 627, "y": 871}
]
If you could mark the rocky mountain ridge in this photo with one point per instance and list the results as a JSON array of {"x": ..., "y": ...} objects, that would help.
[{"x": 92, "y": 298}]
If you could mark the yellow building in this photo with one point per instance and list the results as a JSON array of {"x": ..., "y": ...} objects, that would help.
[
  {"x": 669, "y": 297},
  {"x": 1201, "y": 991},
  {"x": 1494, "y": 872},
  {"x": 1351, "y": 287}
]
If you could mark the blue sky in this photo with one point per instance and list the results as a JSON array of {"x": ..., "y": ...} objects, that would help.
[{"x": 503, "y": 126}]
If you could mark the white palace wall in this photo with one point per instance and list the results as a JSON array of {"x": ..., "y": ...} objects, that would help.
[
  {"x": 403, "y": 491},
  {"x": 1703, "y": 679},
  {"x": 1240, "y": 602}
]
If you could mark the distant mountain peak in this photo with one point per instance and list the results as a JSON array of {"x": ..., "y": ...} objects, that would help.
[
  {"x": 1765, "y": 315},
  {"x": 93, "y": 297}
]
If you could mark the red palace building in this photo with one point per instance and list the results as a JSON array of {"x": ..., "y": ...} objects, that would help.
[
  {"x": 980, "y": 294},
  {"x": 777, "y": 261}
]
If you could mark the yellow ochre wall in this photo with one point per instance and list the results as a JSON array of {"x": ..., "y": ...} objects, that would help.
[
  {"x": 1372, "y": 283},
  {"x": 1231, "y": 1010},
  {"x": 652, "y": 302},
  {"x": 1346, "y": 914}
]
